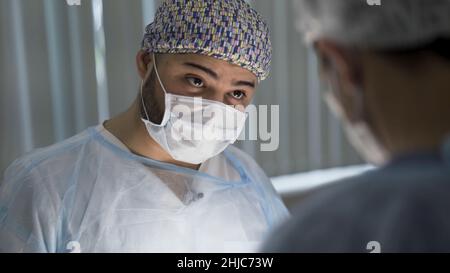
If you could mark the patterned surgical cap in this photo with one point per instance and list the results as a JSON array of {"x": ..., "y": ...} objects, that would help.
[{"x": 228, "y": 30}]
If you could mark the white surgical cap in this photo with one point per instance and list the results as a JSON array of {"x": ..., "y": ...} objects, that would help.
[{"x": 392, "y": 24}]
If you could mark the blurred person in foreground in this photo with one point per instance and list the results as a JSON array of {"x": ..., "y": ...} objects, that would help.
[{"x": 388, "y": 71}]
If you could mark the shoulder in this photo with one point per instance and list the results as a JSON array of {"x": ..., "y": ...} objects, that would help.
[
  {"x": 46, "y": 157},
  {"x": 245, "y": 159},
  {"x": 250, "y": 166},
  {"x": 385, "y": 205},
  {"x": 32, "y": 191},
  {"x": 383, "y": 185},
  {"x": 262, "y": 181}
]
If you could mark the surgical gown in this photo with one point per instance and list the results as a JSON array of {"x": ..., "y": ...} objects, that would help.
[
  {"x": 402, "y": 207},
  {"x": 91, "y": 194}
]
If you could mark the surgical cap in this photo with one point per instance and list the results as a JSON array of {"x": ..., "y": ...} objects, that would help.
[
  {"x": 394, "y": 24},
  {"x": 228, "y": 30}
]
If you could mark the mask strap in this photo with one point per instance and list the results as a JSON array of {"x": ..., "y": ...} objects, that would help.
[
  {"x": 142, "y": 100},
  {"x": 142, "y": 86},
  {"x": 157, "y": 74},
  {"x": 358, "y": 103}
]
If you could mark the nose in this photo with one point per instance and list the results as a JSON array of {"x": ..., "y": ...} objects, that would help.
[{"x": 215, "y": 95}]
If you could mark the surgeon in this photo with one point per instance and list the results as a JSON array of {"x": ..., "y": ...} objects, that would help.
[
  {"x": 388, "y": 72},
  {"x": 162, "y": 176}
]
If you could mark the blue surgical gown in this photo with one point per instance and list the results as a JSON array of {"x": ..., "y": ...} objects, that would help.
[{"x": 91, "y": 194}]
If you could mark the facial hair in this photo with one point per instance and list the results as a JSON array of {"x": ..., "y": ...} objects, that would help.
[{"x": 154, "y": 104}]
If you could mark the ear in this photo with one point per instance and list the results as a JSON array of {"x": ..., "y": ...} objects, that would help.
[
  {"x": 333, "y": 56},
  {"x": 143, "y": 63},
  {"x": 341, "y": 67}
]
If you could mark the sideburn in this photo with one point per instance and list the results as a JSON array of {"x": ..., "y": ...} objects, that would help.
[{"x": 154, "y": 103}]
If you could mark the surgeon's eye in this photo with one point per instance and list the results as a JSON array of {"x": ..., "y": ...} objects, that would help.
[
  {"x": 237, "y": 95},
  {"x": 196, "y": 82}
]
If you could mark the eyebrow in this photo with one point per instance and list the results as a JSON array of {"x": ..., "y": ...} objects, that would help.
[
  {"x": 204, "y": 69},
  {"x": 246, "y": 83},
  {"x": 213, "y": 74}
]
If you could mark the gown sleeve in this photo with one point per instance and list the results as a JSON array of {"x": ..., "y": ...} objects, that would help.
[{"x": 28, "y": 217}]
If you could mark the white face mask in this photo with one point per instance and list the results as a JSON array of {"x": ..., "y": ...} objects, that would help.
[
  {"x": 194, "y": 129},
  {"x": 358, "y": 133}
]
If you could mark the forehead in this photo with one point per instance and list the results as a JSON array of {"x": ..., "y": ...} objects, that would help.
[{"x": 219, "y": 66}]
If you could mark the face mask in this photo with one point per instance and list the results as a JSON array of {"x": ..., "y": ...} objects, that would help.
[
  {"x": 194, "y": 129},
  {"x": 358, "y": 133}
]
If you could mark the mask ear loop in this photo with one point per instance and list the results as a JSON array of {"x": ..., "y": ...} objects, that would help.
[
  {"x": 358, "y": 103},
  {"x": 332, "y": 96},
  {"x": 142, "y": 101},
  {"x": 142, "y": 87},
  {"x": 157, "y": 75}
]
